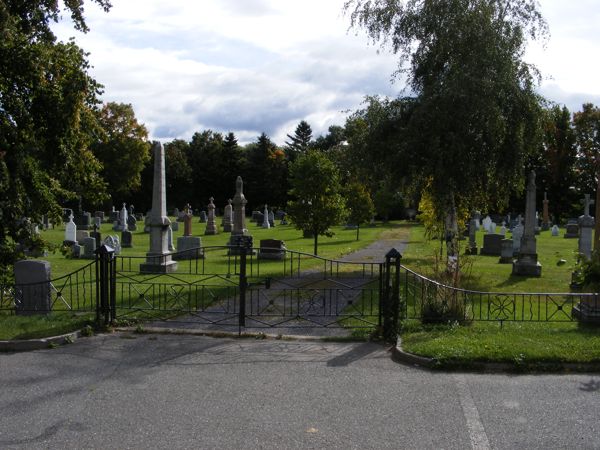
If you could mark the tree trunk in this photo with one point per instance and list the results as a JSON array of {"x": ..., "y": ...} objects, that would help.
[
  {"x": 315, "y": 249},
  {"x": 357, "y": 231}
]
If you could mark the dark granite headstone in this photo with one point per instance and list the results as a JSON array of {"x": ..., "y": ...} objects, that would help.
[
  {"x": 33, "y": 293},
  {"x": 492, "y": 244}
]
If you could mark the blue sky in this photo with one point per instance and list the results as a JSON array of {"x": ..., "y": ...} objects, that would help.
[{"x": 252, "y": 66}]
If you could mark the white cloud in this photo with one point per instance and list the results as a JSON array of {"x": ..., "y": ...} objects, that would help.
[{"x": 263, "y": 65}]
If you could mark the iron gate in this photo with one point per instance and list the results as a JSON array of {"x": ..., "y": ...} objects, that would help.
[{"x": 233, "y": 288}]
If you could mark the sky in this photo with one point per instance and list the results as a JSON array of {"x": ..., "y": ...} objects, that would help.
[{"x": 253, "y": 66}]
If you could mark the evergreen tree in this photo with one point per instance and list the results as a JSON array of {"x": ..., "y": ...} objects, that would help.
[{"x": 300, "y": 141}]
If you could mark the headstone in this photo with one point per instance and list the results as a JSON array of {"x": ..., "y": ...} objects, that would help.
[
  {"x": 228, "y": 217},
  {"x": 271, "y": 249},
  {"x": 89, "y": 248},
  {"x": 571, "y": 231},
  {"x": 85, "y": 221},
  {"x": 239, "y": 234},
  {"x": 211, "y": 224},
  {"x": 545, "y": 213},
  {"x": 100, "y": 215},
  {"x": 114, "y": 215},
  {"x": 113, "y": 242},
  {"x": 76, "y": 250},
  {"x": 527, "y": 263},
  {"x": 188, "y": 247},
  {"x": 33, "y": 292},
  {"x": 266, "y": 223},
  {"x": 260, "y": 219},
  {"x": 131, "y": 210},
  {"x": 123, "y": 218},
  {"x": 96, "y": 234},
  {"x": 187, "y": 222},
  {"x": 176, "y": 213},
  {"x": 97, "y": 222},
  {"x": 586, "y": 229},
  {"x": 554, "y": 231},
  {"x": 492, "y": 228},
  {"x": 272, "y": 219},
  {"x": 203, "y": 217},
  {"x": 131, "y": 223},
  {"x": 492, "y": 244},
  {"x": 81, "y": 235},
  {"x": 158, "y": 258},
  {"x": 170, "y": 245},
  {"x": 517, "y": 234},
  {"x": 126, "y": 239},
  {"x": 70, "y": 231},
  {"x": 487, "y": 223},
  {"x": 174, "y": 226},
  {"x": 283, "y": 219},
  {"x": 477, "y": 217},
  {"x": 255, "y": 217},
  {"x": 506, "y": 251}
]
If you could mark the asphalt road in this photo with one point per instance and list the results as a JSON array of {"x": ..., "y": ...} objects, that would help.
[{"x": 164, "y": 391}]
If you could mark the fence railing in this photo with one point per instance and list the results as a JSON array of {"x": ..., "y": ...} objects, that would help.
[{"x": 429, "y": 300}]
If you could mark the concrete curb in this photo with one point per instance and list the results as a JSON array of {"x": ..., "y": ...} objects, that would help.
[
  {"x": 228, "y": 334},
  {"x": 25, "y": 345}
]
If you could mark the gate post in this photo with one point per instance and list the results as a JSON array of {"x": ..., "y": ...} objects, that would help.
[
  {"x": 390, "y": 305},
  {"x": 105, "y": 284},
  {"x": 243, "y": 283}
]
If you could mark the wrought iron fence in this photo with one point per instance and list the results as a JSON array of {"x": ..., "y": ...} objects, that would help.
[
  {"x": 75, "y": 292},
  {"x": 429, "y": 300}
]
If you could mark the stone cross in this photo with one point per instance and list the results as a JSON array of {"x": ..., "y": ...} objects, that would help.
[
  {"x": 211, "y": 224},
  {"x": 527, "y": 263}
]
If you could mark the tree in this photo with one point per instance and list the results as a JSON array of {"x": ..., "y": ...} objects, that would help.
[
  {"x": 300, "y": 141},
  {"x": 123, "y": 149},
  {"x": 315, "y": 188},
  {"x": 360, "y": 205},
  {"x": 47, "y": 120},
  {"x": 476, "y": 114},
  {"x": 554, "y": 165},
  {"x": 587, "y": 133},
  {"x": 266, "y": 173}
]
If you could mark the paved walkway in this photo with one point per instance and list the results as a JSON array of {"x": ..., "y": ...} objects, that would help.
[{"x": 279, "y": 298}]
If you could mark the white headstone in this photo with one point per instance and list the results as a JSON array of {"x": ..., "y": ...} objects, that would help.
[
  {"x": 517, "y": 234},
  {"x": 71, "y": 230},
  {"x": 554, "y": 230},
  {"x": 265, "y": 223},
  {"x": 487, "y": 222}
]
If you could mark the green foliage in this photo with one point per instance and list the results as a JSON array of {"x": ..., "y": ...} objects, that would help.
[
  {"x": 315, "y": 188},
  {"x": 300, "y": 141},
  {"x": 475, "y": 115},
  {"x": 47, "y": 120},
  {"x": 587, "y": 273},
  {"x": 359, "y": 204},
  {"x": 122, "y": 149}
]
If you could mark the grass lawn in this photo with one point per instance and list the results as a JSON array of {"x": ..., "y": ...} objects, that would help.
[
  {"x": 524, "y": 345},
  {"x": 343, "y": 242}
]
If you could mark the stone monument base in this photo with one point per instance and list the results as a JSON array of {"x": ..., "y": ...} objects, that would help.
[
  {"x": 588, "y": 310},
  {"x": 188, "y": 247},
  {"x": 527, "y": 266},
  {"x": 156, "y": 263}
]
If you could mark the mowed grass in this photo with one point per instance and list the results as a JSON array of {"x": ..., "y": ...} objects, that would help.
[
  {"x": 523, "y": 345},
  {"x": 216, "y": 262},
  {"x": 484, "y": 273}
]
